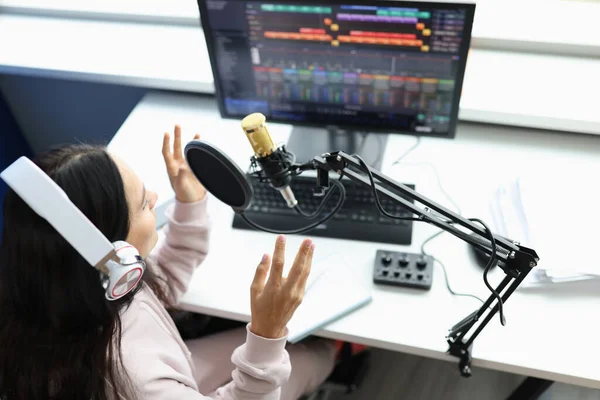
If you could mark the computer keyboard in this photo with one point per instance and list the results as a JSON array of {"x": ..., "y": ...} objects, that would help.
[{"x": 358, "y": 219}]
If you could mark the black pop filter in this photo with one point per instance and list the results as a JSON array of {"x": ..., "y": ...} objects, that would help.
[{"x": 219, "y": 174}]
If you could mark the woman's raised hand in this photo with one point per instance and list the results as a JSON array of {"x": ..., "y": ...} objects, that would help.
[
  {"x": 275, "y": 298},
  {"x": 185, "y": 185}
]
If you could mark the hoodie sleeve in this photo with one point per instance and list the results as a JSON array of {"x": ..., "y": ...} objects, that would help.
[{"x": 185, "y": 246}]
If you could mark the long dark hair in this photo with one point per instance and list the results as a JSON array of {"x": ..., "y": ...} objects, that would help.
[{"x": 59, "y": 336}]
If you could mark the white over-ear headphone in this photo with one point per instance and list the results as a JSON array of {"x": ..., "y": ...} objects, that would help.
[{"x": 120, "y": 265}]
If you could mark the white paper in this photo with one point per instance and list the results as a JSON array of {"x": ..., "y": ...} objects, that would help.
[{"x": 540, "y": 212}]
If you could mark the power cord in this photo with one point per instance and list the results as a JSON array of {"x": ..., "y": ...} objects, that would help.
[
  {"x": 439, "y": 182},
  {"x": 363, "y": 142},
  {"x": 429, "y": 239},
  {"x": 407, "y": 152},
  {"x": 380, "y": 147},
  {"x": 435, "y": 171}
]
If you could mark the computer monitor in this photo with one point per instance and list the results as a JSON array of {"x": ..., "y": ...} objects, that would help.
[{"x": 371, "y": 66}]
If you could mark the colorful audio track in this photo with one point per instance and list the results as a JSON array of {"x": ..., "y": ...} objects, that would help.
[
  {"x": 295, "y": 9},
  {"x": 374, "y": 38},
  {"x": 331, "y": 87},
  {"x": 298, "y": 36},
  {"x": 404, "y": 27},
  {"x": 337, "y": 59}
]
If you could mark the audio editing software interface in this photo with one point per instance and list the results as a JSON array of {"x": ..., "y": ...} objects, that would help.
[{"x": 361, "y": 64}]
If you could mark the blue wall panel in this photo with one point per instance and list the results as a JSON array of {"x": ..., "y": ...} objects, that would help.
[
  {"x": 12, "y": 145},
  {"x": 51, "y": 112}
]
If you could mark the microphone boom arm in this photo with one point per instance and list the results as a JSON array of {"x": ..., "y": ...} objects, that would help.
[{"x": 515, "y": 260}]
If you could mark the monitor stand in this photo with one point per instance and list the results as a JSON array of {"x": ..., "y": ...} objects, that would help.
[{"x": 308, "y": 142}]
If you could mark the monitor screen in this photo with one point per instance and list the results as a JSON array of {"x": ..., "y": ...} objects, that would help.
[{"x": 377, "y": 65}]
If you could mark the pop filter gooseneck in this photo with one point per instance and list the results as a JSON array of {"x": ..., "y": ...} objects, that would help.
[{"x": 219, "y": 175}]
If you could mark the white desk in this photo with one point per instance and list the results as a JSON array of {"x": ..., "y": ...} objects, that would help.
[{"x": 550, "y": 333}]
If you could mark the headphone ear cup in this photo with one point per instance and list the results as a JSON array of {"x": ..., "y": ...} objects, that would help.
[
  {"x": 125, "y": 274},
  {"x": 123, "y": 279}
]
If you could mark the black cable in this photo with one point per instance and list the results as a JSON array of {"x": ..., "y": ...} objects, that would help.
[
  {"x": 307, "y": 228},
  {"x": 366, "y": 168},
  {"x": 319, "y": 209},
  {"x": 489, "y": 265}
]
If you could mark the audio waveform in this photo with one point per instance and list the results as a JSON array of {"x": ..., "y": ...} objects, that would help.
[
  {"x": 404, "y": 13},
  {"x": 297, "y": 36},
  {"x": 295, "y": 9},
  {"x": 339, "y": 60},
  {"x": 388, "y": 35},
  {"x": 376, "y": 18},
  {"x": 379, "y": 40},
  {"x": 317, "y": 31}
]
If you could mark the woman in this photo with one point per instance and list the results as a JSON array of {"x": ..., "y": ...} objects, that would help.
[{"x": 61, "y": 339}]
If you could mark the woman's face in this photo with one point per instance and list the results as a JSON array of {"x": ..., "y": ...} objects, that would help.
[{"x": 142, "y": 230}]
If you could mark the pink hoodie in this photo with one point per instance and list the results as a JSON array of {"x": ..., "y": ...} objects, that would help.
[{"x": 155, "y": 356}]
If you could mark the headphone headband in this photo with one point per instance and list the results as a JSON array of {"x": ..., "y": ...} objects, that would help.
[{"x": 50, "y": 202}]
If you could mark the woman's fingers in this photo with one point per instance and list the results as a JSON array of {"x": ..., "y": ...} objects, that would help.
[
  {"x": 168, "y": 155},
  {"x": 278, "y": 261},
  {"x": 177, "y": 153},
  {"x": 260, "y": 276},
  {"x": 309, "y": 256},
  {"x": 301, "y": 267},
  {"x": 308, "y": 266},
  {"x": 166, "y": 147},
  {"x": 304, "y": 247}
]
